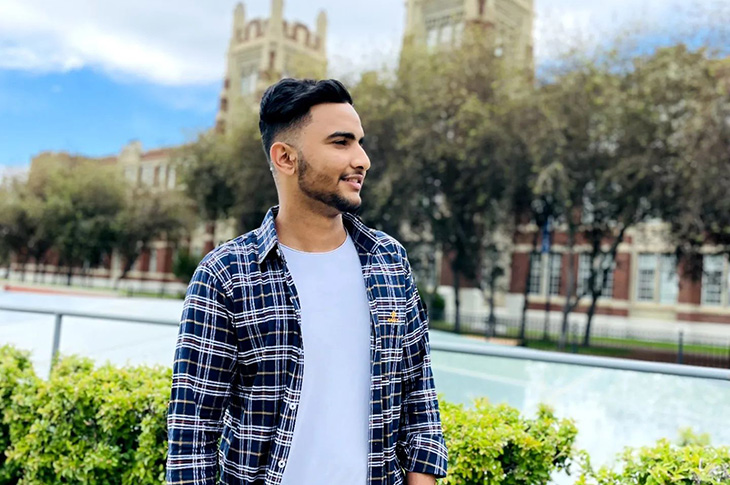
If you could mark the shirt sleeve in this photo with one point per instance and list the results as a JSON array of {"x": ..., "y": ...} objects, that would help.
[
  {"x": 420, "y": 437},
  {"x": 205, "y": 358}
]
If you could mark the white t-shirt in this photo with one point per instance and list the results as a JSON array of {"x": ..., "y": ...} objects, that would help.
[{"x": 330, "y": 441}]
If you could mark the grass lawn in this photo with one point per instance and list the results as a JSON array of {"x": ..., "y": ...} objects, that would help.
[{"x": 607, "y": 346}]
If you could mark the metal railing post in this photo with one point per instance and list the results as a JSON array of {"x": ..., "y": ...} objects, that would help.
[{"x": 56, "y": 339}]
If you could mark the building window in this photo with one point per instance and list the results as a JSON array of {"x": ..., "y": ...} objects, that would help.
[
  {"x": 541, "y": 277},
  {"x": 171, "y": 177},
  {"x": 248, "y": 82},
  {"x": 148, "y": 175},
  {"x": 458, "y": 33},
  {"x": 658, "y": 280},
  {"x": 645, "y": 284},
  {"x": 668, "y": 279},
  {"x": 713, "y": 268},
  {"x": 432, "y": 37},
  {"x": 130, "y": 173},
  {"x": 556, "y": 268},
  {"x": 535, "y": 287},
  {"x": 152, "y": 268},
  {"x": 447, "y": 33},
  {"x": 584, "y": 273}
]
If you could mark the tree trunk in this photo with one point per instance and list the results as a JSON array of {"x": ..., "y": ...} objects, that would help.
[
  {"x": 457, "y": 313},
  {"x": 570, "y": 289},
  {"x": 526, "y": 292},
  {"x": 548, "y": 293},
  {"x": 492, "y": 322},
  {"x": 597, "y": 292},
  {"x": 591, "y": 312},
  {"x": 22, "y": 270}
]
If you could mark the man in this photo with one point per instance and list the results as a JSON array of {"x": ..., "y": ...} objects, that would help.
[{"x": 303, "y": 351}]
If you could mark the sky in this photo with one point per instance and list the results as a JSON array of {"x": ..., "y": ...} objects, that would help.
[{"x": 88, "y": 76}]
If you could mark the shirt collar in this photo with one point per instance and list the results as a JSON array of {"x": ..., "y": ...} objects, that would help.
[{"x": 267, "y": 239}]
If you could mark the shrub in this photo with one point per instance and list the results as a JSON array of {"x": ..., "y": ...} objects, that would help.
[
  {"x": 434, "y": 302},
  {"x": 92, "y": 425},
  {"x": 494, "y": 445},
  {"x": 184, "y": 265},
  {"x": 16, "y": 372},
  {"x": 692, "y": 462}
]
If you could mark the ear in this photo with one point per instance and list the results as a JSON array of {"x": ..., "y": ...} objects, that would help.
[{"x": 283, "y": 157}]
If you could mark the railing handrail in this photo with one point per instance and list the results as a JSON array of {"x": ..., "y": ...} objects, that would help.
[
  {"x": 612, "y": 363},
  {"x": 97, "y": 315},
  {"x": 462, "y": 348}
]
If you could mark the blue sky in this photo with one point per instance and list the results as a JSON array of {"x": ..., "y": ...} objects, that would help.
[
  {"x": 87, "y": 79},
  {"x": 86, "y": 111}
]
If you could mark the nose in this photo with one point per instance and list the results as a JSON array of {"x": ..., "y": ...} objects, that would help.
[{"x": 361, "y": 161}]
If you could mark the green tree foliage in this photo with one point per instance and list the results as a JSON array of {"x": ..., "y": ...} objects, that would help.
[
  {"x": 20, "y": 221},
  {"x": 227, "y": 175},
  {"x": 184, "y": 264},
  {"x": 687, "y": 100},
  {"x": 83, "y": 202},
  {"x": 494, "y": 445},
  {"x": 452, "y": 115},
  {"x": 146, "y": 216}
]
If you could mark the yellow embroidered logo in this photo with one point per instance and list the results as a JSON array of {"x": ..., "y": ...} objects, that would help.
[{"x": 392, "y": 318}]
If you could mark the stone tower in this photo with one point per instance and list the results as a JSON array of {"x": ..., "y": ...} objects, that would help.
[
  {"x": 439, "y": 22},
  {"x": 261, "y": 52}
]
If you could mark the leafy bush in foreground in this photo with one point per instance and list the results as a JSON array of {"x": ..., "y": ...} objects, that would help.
[
  {"x": 16, "y": 371},
  {"x": 692, "y": 462},
  {"x": 491, "y": 445},
  {"x": 90, "y": 425}
]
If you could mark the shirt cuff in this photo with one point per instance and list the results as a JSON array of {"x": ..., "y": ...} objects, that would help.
[{"x": 426, "y": 454}]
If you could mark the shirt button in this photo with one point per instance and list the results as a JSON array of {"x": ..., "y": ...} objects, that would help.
[
  {"x": 282, "y": 463},
  {"x": 292, "y": 406}
]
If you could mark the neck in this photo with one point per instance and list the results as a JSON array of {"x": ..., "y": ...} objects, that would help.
[{"x": 300, "y": 227}]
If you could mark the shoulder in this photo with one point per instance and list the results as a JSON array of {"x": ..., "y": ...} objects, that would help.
[
  {"x": 392, "y": 250},
  {"x": 232, "y": 258}
]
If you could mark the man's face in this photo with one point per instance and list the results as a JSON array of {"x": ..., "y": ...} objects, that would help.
[{"x": 331, "y": 163}]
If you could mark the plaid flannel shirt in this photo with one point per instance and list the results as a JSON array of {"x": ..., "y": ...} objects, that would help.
[{"x": 238, "y": 368}]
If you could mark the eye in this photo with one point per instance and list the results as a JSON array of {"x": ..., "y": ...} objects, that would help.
[{"x": 341, "y": 142}]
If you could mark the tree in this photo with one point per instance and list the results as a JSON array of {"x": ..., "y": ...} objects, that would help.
[
  {"x": 18, "y": 221},
  {"x": 227, "y": 175},
  {"x": 582, "y": 146},
  {"x": 206, "y": 171},
  {"x": 251, "y": 175},
  {"x": 449, "y": 134},
  {"x": 147, "y": 216},
  {"x": 691, "y": 102},
  {"x": 84, "y": 200}
]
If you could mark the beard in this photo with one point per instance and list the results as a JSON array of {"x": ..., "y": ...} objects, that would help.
[{"x": 309, "y": 182}]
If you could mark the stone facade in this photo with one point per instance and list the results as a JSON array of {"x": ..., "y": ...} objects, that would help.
[
  {"x": 262, "y": 51},
  {"x": 442, "y": 22}
]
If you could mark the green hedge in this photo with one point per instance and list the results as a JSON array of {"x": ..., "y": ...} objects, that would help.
[
  {"x": 490, "y": 445},
  {"x": 691, "y": 462},
  {"x": 102, "y": 425},
  {"x": 87, "y": 425}
]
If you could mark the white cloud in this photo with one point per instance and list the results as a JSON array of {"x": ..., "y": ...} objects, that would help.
[{"x": 184, "y": 42}]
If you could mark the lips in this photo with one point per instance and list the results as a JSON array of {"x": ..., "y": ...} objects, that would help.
[{"x": 354, "y": 181}]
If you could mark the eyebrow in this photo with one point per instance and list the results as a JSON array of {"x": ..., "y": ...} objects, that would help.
[{"x": 345, "y": 134}]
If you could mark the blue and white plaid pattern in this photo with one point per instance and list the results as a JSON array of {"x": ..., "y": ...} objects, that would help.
[{"x": 237, "y": 375}]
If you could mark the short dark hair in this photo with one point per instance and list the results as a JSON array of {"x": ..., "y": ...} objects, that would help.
[{"x": 286, "y": 104}]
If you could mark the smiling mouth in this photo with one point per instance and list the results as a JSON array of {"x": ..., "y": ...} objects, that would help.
[{"x": 354, "y": 181}]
